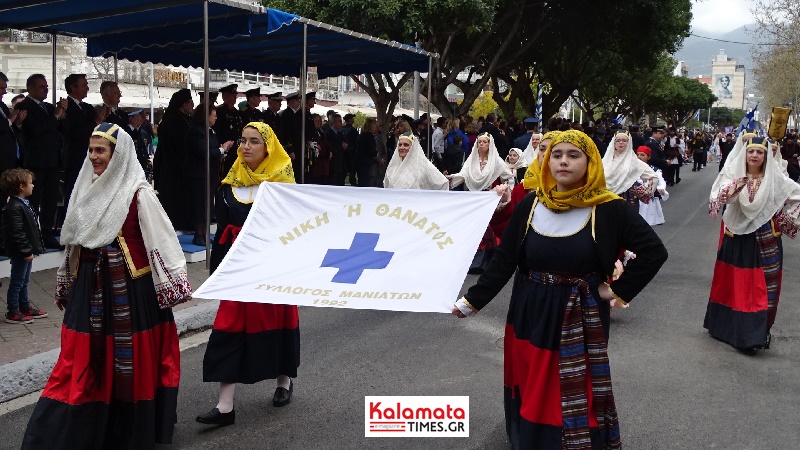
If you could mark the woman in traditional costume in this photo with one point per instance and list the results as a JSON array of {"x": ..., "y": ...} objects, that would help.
[
  {"x": 514, "y": 162},
  {"x": 533, "y": 173},
  {"x": 760, "y": 204},
  {"x": 626, "y": 176},
  {"x": 410, "y": 169},
  {"x": 532, "y": 150},
  {"x": 249, "y": 342},
  {"x": 484, "y": 169},
  {"x": 563, "y": 243},
  {"x": 115, "y": 384}
]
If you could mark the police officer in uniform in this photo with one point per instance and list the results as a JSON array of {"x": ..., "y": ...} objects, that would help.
[
  {"x": 290, "y": 119},
  {"x": 272, "y": 114},
  {"x": 252, "y": 113},
  {"x": 229, "y": 124}
]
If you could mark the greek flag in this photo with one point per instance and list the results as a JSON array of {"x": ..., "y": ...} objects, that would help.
[
  {"x": 747, "y": 122},
  {"x": 697, "y": 115}
]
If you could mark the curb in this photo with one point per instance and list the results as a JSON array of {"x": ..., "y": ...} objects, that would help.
[{"x": 30, "y": 374}]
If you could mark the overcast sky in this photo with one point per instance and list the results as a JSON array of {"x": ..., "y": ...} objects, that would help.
[{"x": 720, "y": 16}]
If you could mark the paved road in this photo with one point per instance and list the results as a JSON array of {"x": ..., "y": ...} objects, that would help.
[{"x": 675, "y": 386}]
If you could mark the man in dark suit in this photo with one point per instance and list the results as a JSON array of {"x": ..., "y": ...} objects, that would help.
[
  {"x": 42, "y": 152},
  {"x": 530, "y": 127},
  {"x": 490, "y": 126},
  {"x": 338, "y": 147},
  {"x": 636, "y": 137},
  {"x": 76, "y": 129},
  {"x": 657, "y": 156},
  {"x": 9, "y": 145},
  {"x": 350, "y": 135},
  {"x": 9, "y": 128},
  {"x": 110, "y": 111}
]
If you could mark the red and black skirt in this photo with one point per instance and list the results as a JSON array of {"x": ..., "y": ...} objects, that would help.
[
  {"x": 115, "y": 384},
  {"x": 745, "y": 288},
  {"x": 531, "y": 378},
  {"x": 251, "y": 342}
]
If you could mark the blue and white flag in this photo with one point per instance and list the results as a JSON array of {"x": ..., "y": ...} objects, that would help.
[
  {"x": 346, "y": 247},
  {"x": 697, "y": 115},
  {"x": 748, "y": 121}
]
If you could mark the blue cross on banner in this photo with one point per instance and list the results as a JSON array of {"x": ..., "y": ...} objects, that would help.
[{"x": 359, "y": 257}]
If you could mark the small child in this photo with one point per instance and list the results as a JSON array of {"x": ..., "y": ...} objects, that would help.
[
  {"x": 652, "y": 212},
  {"x": 23, "y": 241}
]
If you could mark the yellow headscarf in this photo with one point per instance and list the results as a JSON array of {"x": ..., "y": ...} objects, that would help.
[
  {"x": 533, "y": 174},
  {"x": 277, "y": 166},
  {"x": 593, "y": 192}
]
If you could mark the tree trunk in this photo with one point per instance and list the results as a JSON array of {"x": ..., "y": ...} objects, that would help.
[{"x": 385, "y": 95}]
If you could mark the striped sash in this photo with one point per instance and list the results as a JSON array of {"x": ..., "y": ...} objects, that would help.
[{"x": 583, "y": 348}]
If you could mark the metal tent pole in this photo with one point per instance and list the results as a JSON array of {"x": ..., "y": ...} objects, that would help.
[
  {"x": 430, "y": 73},
  {"x": 208, "y": 135},
  {"x": 116, "y": 69},
  {"x": 303, "y": 76},
  {"x": 152, "y": 114},
  {"x": 53, "y": 82},
  {"x": 416, "y": 91}
]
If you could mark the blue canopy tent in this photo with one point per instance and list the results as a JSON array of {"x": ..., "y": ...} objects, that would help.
[
  {"x": 274, "y": 43},
  {"x": 279, "y": 43},
  {"x": 233, "y": 36},
  {"x": 93, "y": 18}
]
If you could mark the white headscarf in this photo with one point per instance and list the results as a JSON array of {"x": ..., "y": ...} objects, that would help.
[
  {"x": 97, "y": 209},
  {"x": 531, "y": 154},
  {"x": 743, "y": 216},
  {"x": 519, "y": 162},
  {"x": 471, "y": 174},
  {"x": 623, "y": 171},
  {"x": 414, "y": 171},
  {"x": 727, "y": 174}
]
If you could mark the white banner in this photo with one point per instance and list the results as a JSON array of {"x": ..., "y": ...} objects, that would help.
[{"x": 361, "y": 248}]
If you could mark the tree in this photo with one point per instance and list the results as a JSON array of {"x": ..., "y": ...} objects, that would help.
[
  {"x": 628, "y": 91},
  {"x": 473, "y": 22},
  {"x": 778, "y": 72},
  {"x": 570, "y": 55},
  {"x": 483, "y": 105},
  {"x": 681, "y": 99}
]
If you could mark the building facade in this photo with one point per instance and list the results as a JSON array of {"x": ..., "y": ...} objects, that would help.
[{"x": 728, "y": 81}]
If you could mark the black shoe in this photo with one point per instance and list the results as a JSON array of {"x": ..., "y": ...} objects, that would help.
[
  {"x": 52, "y": 242},
  {"x": 199, "y": 241},
  {"x": 694, "y": 170},
  {"x": 751, "y": 351},
  {"x": 283, "y": 396},
  {"x": 214, "y": 417},
  {"x": 677, "y": 181}
]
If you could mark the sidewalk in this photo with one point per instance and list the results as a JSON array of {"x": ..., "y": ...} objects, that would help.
[{"x": 21, "y": 344}]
